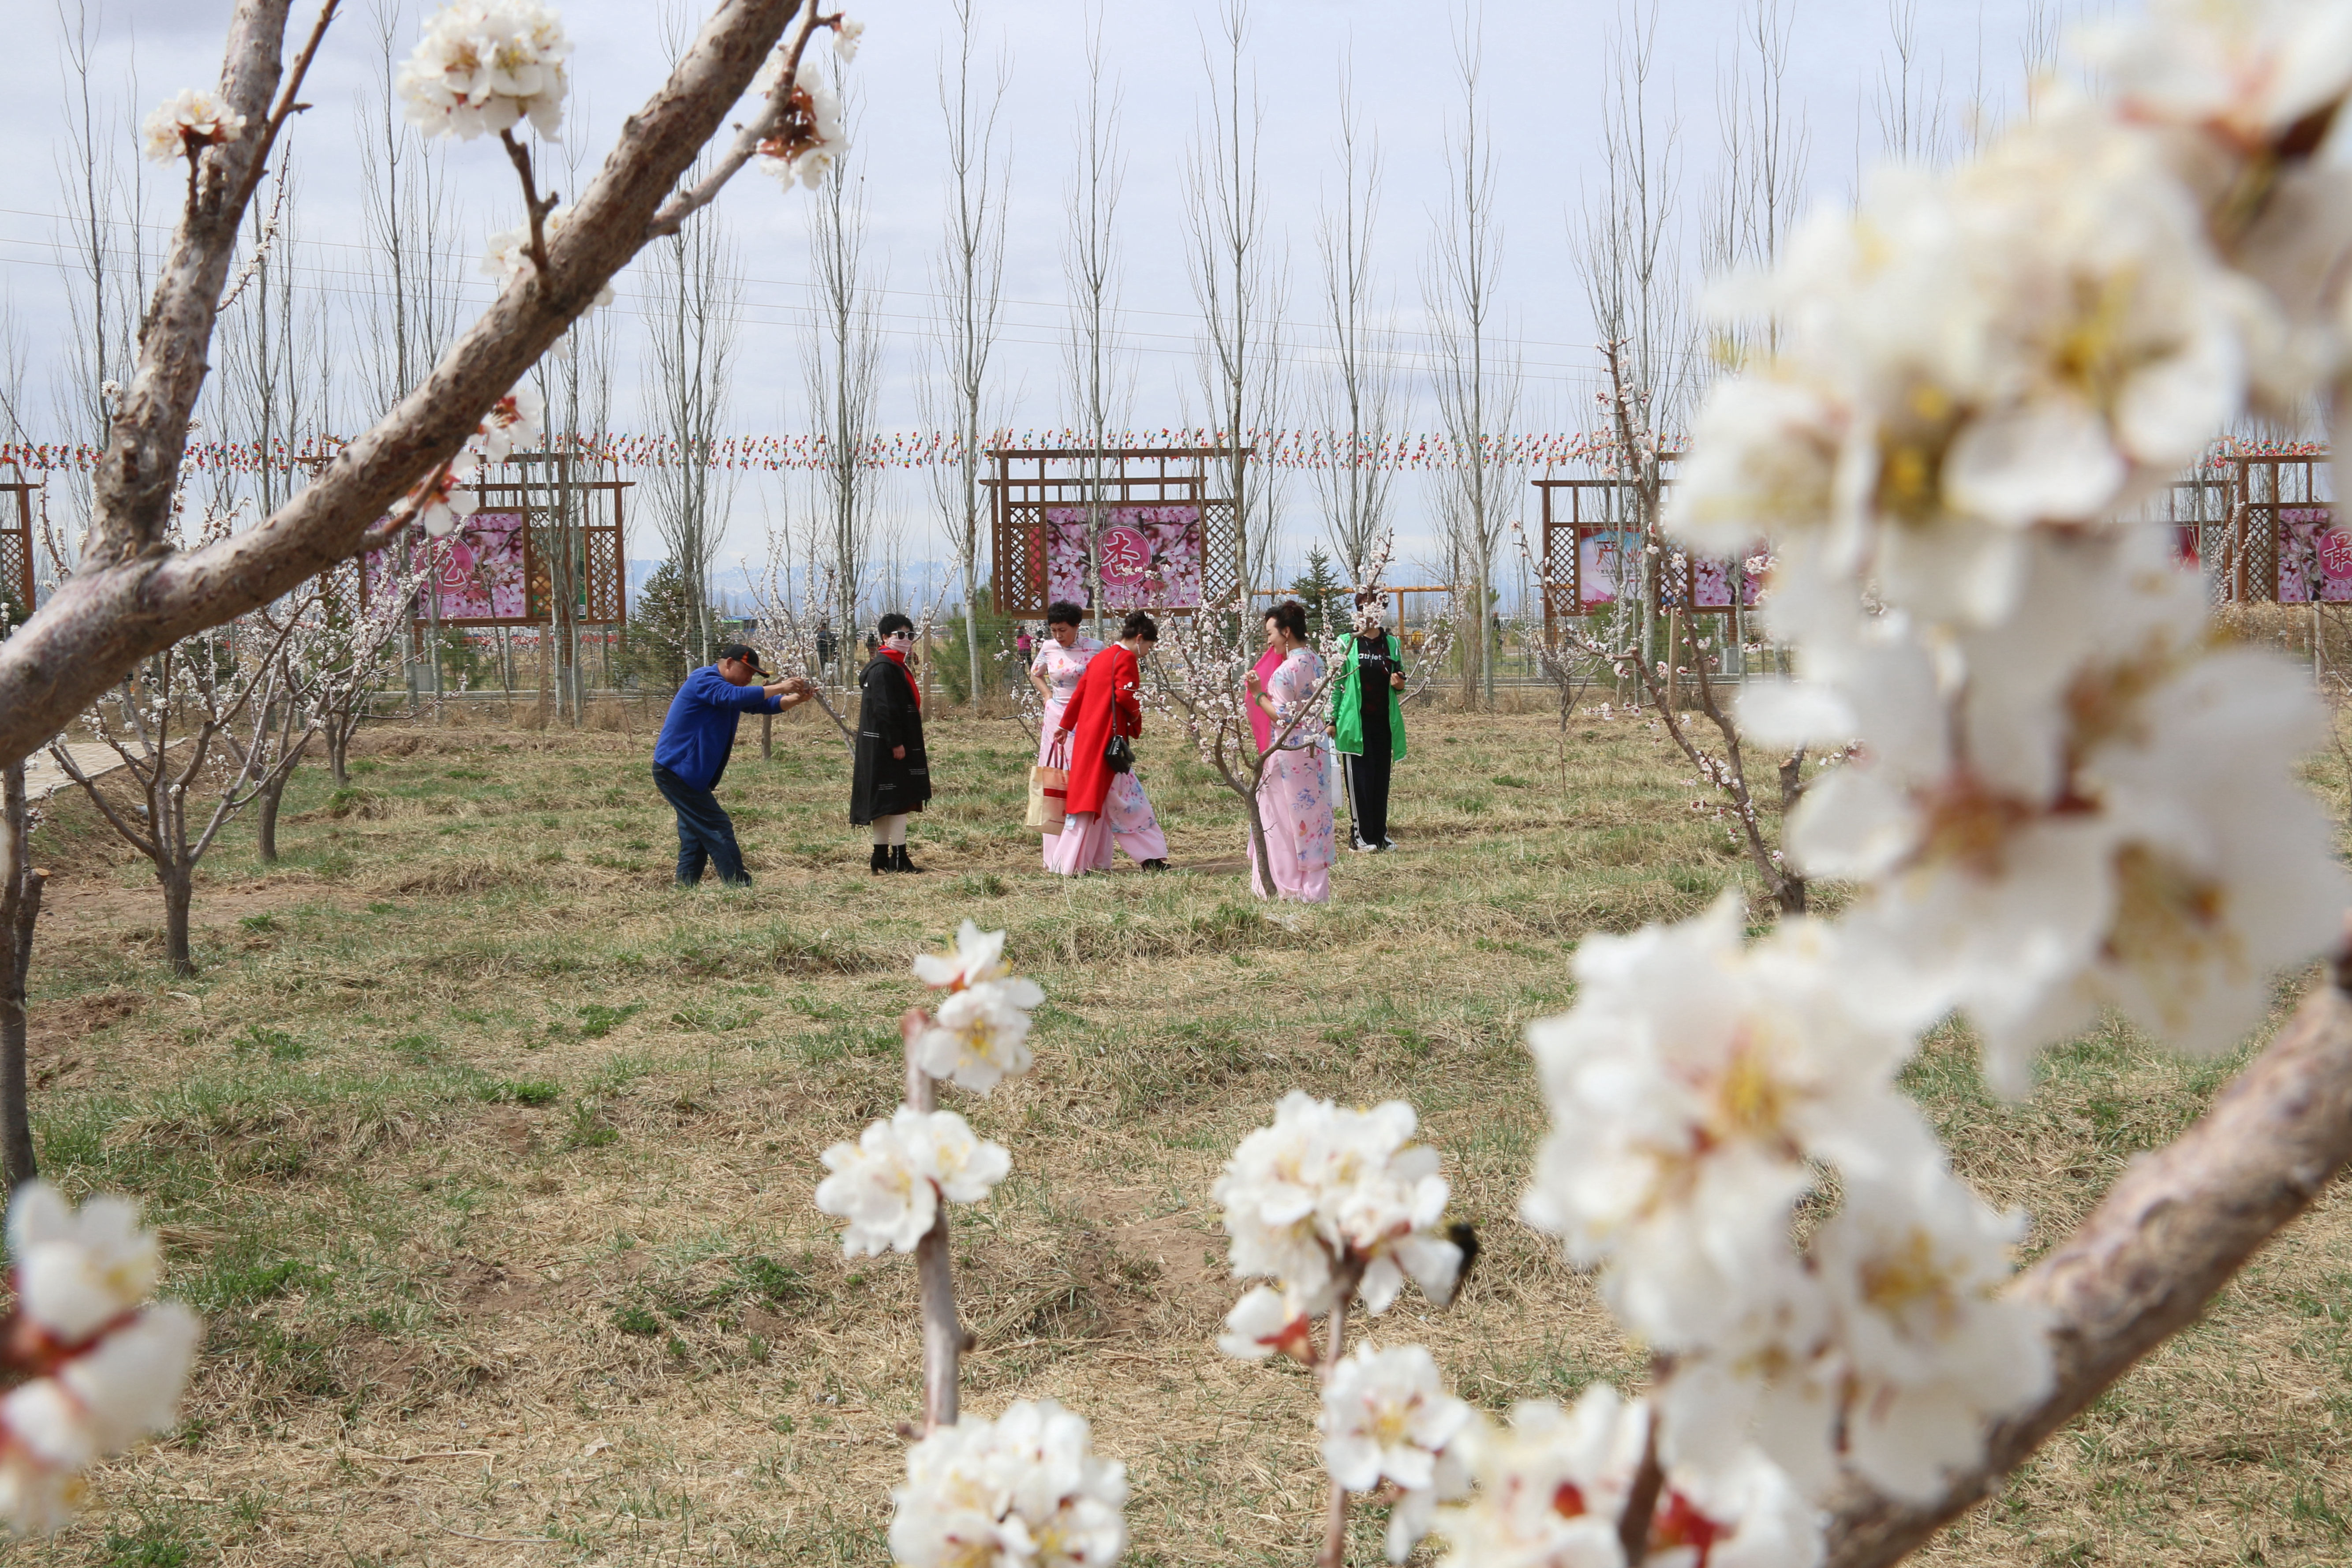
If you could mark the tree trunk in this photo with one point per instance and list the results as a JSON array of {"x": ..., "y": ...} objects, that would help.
[
  {"x": 1257, "y": 847},
  {"x": 971, "y": 631},
  {"x": 266, "y": 830},
  {"x": 20, "y": 907},
  {"x": 1489, "y": 638},
  {"x": 1791, "y": 890},
  {"x": 767, "y": 737},
  {"x": 179, "y": 891},
  {"x": 339, "y": 753},
  {"x": 271, "y": 795}
]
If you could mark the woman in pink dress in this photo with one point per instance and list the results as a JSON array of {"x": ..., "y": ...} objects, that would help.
[
  {"x": 1294, "y": 799},
  {"x": 1063, "y": 654},
  {"x": 1106, "y": 806}
]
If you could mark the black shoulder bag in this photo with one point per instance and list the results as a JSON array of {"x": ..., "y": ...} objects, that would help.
[{"x": 1119, "y": 756}]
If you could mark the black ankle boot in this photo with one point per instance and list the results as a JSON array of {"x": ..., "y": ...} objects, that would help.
[
  {"x": 899, "y": 862},
  {"x": 882, "y": 860}
]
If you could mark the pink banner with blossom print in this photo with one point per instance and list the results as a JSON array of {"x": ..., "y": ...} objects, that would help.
[
  {"x": 2313, "y": 554},
  {"x": 481, "y": 572},
  {"x": 1151, "y": 556}
]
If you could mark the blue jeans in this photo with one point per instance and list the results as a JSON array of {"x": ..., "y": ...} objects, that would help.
[{"x": 705, "y": 835}]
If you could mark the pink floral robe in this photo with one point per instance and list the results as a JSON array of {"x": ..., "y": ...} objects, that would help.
[
  {"x": 1294, "y": 797},
  {"x": 1127, "y": 819}
]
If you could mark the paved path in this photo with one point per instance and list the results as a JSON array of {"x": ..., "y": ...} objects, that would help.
[{"x": 43, "y": 776}]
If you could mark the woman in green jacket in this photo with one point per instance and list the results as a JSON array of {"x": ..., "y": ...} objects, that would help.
[{"x": 1368, "y": 722}]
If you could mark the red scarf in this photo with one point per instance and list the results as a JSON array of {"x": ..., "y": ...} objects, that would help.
[{"x": 895, "y": 656}]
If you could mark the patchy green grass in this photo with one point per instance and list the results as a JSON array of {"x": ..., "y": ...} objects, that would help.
[{"x": 489, "y": 1155}]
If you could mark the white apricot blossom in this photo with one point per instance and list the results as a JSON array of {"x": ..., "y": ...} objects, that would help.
[
  {"x": 2247, "y": 70},
  {"x": 979, "y": 1036},
  {"x": 813, "y": 131},
  {"x": 1929, "y": 1347},
  {"x": 507, "y": 258},
  {"x": 1266, "y": 1322},
  {"x": 442, "y": 504},
  {"x": 186, "y": 124},
  {"x": 486, "y": 65},
  {"x": 1325, "y": 1190},
  {"x": 1689, "y": 1087},
  {"x": 1025, "y": 1490},
  {"x": 846, "y": 34},
  {"x": 110, "y": 1370},
  {"x": 888, "y": 1185},
  {"x": 515, "y": 420},
  {"x": 76, "y": 1270},
  {"x": 1550, "y": 1488},
  {"x": 1388, "y": 1418},
  {"x": 2087, "y": 804},
  {"x": 977, "y": 958},
  {"x": 2036, "y": 337}
]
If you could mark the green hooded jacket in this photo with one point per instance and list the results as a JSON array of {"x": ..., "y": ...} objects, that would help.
[{"x": 1348, "y": 705}]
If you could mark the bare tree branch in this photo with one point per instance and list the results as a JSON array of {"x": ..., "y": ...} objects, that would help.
[
  {"x": 136, "y": 594},
  {"x": 2156, "y": 1250}
]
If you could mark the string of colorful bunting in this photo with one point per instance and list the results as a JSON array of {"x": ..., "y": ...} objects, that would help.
[{"x": 896, "y": 449}]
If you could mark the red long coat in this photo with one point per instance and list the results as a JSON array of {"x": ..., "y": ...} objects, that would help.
[{"x": 1103, "y": 700}]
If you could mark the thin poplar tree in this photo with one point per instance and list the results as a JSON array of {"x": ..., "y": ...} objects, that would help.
[{"x": 968, "y": 277}]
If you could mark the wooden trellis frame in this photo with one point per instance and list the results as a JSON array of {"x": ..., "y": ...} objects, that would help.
[
  {"x": 1029, "y": 480},
  {"x": 1574, "y": 510},
  {"x": 17, "y": 536},
  {"x": 2265, "y": 492},
  {"x": 603, "y": 552}
]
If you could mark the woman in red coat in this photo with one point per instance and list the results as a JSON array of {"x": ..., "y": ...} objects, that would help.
[{"x": 1104, "y": 805}]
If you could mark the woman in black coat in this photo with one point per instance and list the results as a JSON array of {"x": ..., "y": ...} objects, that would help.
[{"x": 893, "y": 775}]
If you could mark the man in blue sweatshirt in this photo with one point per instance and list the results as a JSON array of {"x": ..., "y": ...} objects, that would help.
[{"x": 691, "y": 755}]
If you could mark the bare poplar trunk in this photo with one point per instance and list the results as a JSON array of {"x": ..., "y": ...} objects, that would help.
[{"x": 970, "y": 273}]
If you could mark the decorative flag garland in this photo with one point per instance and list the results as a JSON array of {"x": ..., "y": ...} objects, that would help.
[
  {"x": 1298, "y": 449},
  {"x": 896, "y": 449}
]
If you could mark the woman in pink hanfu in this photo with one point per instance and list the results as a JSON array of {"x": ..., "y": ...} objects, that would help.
[
  {"x": 1108, "y": 808},
  {"x": 1063, "y": 654},
  {"x": 1294, "y": 801}
]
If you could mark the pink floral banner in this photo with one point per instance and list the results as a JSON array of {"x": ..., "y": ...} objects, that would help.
[
  {"x": 2313, "y": 553},
  {"x": 481, "y": 574},
  {"x": 1150, "y": 557}
]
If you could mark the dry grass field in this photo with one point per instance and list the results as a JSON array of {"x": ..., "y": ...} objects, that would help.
[{"x": 489, "y": 1156}]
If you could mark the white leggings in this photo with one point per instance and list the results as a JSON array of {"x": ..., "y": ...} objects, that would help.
[{"x": 890, "y": 830}]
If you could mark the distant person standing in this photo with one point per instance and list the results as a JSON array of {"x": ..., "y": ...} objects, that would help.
[
  {"x": 1368, "y": 722},
  {"x": 893, "y": 774},
  {"x": 827, "y": 644},
  {"x": 697, "y": 738}
]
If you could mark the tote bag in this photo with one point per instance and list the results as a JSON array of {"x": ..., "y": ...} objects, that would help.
[{"x": 1049, "y": 793}]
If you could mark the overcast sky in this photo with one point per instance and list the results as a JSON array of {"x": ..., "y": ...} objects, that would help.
[{"x": 1546, "y": 72}]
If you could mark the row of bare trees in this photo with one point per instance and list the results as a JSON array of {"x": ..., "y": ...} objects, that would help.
[{"x": 1627, "y": 241}]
